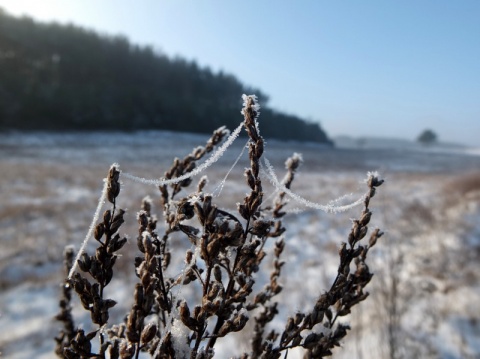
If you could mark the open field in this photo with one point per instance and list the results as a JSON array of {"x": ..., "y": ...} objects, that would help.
[{"x": 425, "y": 292}]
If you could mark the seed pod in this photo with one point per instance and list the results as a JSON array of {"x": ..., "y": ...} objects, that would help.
[
  {"x": 242, "y": 209},
  {"x": 107, "y": 216},
  {"x": 127, "y": 351},
  {"x": 218, "y": 302},
  {"x": 85, "y": 263},
  {"x": 250, "y": 178},
  {"x": 116, "y": 245},
  {"x": 99, "y": 231},
  {"x": 355, "y": 229},
  {"x": 207, "y": 203},
  {"x": 114, "y": 173},
  {"x": 202, "y": 183},
  {"x": 108, "y": 274},
  {"x": 257, "y": 201},
  {"x": 142, "y": 218},
  {"x": 139, "y": 294},
  {"x": 363, "y": 232},
  {"x": 212, "y": 293},
  {"x": 341, "y": 331},
  {"x": 239, "y": 322},
  {"x": 240, "y": 278},
  {"x": 114, "y": 349},
  {"x": 109, "y": 303},
  {"x": 328, "y": 313},
  {"x": 117, "y": 221},
  {"x": 297, "y": 340},
  {"x": 113, "y": 191},
  {"x": 184, "y": 311},
  {"x": 343, "y": 251},
  {"x": 208, "y": 307},
  {"x": 146, "y": 278},
  {"x": 163, "y": 189},
  {"x": 166, "y": 259},
  {"x": 199, "y": 212},
  {"x": 298, "y": 318},
  {"x": 358, "y": 251},
  {"x": 260, "y": 298},
  {"x": 101, "y": 254},
  {"x": 212, "y": 214},
  {"x": 259, "y": 148},
  {"x": 196, "y": 311},
  {"x": 132, "y": 320},
  {"x": 365, "y": 219},
  {"x": 261, "y": 228},
  {"x": 311, "y": 340},
  {"x": 147, "y": 243},
  {"x": 148, "y": 333},
  {"x": 370, "y": 181},
  {"x": 255, "y": 167},
  {"x": 225, "y": 328},
  {"x": 316, "y": 317},
  {"x": 374, "y": 236},
  {"x": 290, "y": 324},
  {"x": 217, "y": 273},
  {"x": 188, "y": 257},
  {"x": 373, "y": 181}
]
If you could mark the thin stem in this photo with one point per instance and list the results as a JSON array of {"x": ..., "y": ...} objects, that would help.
[
  {"x": 137, "y": 350},
  {"x": 198, "y": 341},
  {"x": 207, "y": 281}
]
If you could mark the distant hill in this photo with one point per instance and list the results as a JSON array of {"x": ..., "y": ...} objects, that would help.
[
  {"x": 391, "y": 143},
  {"x": 63, "y": 77}
]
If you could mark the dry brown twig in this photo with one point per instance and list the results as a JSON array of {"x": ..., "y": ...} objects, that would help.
[{"x": 228, "y": 250}]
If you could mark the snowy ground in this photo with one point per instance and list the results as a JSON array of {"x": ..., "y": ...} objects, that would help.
[{"x": 429, "y": 208}]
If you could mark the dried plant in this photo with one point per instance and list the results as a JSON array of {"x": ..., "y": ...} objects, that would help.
[{"x": 227, "y": 250}]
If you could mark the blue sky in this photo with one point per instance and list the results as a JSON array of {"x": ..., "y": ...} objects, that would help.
[{"x": 360, "y": 68}]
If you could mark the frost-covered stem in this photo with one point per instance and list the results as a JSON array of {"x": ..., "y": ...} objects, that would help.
[
  {"x": 101, "y": 201},
  {"x": 252, "y": 202},
  {"x": 228, "y": 293}
]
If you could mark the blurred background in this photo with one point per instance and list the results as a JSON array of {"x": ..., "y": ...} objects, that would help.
[
  {"x": 354, "y": 86},
  {"x": 357, "y": 69}
]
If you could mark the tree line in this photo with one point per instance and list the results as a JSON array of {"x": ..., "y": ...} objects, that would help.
[{"x": 63, "y": 77}]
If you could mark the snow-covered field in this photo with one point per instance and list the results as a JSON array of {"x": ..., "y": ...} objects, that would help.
[{"x": 425, "y": 292}]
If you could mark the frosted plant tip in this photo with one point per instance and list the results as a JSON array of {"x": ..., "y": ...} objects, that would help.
[
  {"x": 250, "y": 101},
  {"x": 294, "y": 161},
  {"x": 298, "y": 156},
  {"x": 373, "y": 179}
]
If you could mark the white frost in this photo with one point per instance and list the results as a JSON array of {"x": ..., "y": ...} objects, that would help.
[
  {"x": 101, "y": 201},
  {"x": 180, "y": 339},
  {"x": 328, "y": 208},
  {"x": 210, "y": 161}
]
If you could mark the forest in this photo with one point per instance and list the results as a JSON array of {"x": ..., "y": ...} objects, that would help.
[{"x": 56, "y": 77}]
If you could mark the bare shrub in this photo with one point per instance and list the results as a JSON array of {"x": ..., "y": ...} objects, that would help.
[{"x": 224, "y": 253}]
